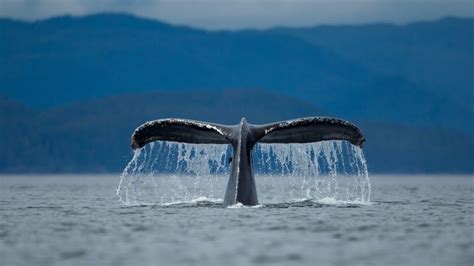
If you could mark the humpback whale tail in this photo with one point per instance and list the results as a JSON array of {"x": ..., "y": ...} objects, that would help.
[{"x": 243, "y": 137}]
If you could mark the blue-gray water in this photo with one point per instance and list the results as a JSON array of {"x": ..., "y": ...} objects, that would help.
[{"x": 78, "y": 220}]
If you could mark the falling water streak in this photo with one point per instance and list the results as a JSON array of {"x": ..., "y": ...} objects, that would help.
[
  {"x": 334, "y": 169},
  {"x": 165, "y": 172},
  {"x": 122, "y": 190},
  {"x": 364, "y": 173}
]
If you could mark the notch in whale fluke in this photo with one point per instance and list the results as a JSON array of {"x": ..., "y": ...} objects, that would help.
[{"x": 243, "y": 137}]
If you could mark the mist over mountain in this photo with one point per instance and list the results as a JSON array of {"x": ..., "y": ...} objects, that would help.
[{"x": 74, "y": 88}]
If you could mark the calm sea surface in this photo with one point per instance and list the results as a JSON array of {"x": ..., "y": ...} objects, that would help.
[{"x": 78, "y": 220}]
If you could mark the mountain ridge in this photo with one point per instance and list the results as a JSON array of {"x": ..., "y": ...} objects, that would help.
[{"x": 145, "y": 18}]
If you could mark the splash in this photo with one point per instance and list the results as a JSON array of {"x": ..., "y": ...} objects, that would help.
[
  {"x": 323, "y": 170},
  {"x": 167, "y": 172}
]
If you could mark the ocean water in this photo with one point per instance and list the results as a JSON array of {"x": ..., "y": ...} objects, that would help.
[{"x": 79, "y": 220}]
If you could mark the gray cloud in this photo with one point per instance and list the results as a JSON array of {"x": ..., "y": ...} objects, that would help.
[{"x": 234, "y": 14}]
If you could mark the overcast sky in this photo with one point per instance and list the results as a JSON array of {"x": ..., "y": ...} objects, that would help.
[{"x": 236, "y": 14}]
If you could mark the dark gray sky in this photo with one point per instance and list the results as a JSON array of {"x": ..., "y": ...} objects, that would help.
[{"x": 236, "y": 14}]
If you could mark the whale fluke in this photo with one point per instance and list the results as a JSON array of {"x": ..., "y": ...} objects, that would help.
[
  {"x": 311, "y": 129},
  {"x": 243, "y": 137},
  {"x": 179, "y": 130}
]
